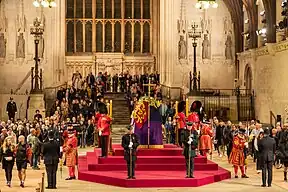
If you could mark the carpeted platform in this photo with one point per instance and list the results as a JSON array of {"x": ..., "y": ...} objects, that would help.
[{"x": 154, "y": 168}]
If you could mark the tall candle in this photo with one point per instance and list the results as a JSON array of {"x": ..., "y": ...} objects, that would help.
[
  {"x": 110, "y": 108},
  {"x": 187, "y": 107}
]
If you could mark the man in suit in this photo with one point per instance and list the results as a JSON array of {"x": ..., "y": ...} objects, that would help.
[
  {"x": 266, "y": 148},
  {"x": 130, "y": 142},
  {"x": 190, "y": 142},
  {"x": 51, "y": 155},
  {"x": 11, "y": 109}
]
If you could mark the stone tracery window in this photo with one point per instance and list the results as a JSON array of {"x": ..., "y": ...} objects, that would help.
[{"x": 122, "y": 26}]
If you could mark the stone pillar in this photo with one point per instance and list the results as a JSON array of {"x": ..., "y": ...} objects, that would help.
[
  {"x": 168, "y": 47},
  {"x": 36, "y": 102}
]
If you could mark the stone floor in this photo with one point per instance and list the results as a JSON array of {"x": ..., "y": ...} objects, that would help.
[{"x": 232, "y": 185}]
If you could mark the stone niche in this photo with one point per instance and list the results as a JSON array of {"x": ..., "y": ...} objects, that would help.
[{"x": 268, "y": 65}]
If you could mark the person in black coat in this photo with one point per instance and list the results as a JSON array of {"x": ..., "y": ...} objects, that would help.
[
  {"x": 130, "y": 142},
  {"x": 266, "y": 148},
  {"x": 283, "y": 152},
  {"x": 51, "y": 155},
  {"x": 11, "y": 109}
]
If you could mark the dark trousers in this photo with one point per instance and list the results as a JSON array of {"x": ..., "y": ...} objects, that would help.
[
  {"x": 51, "y": 171},
  {"x": 104, "y": 145},
  {"x": 180, "y": 132},
  {"x": 130, "y": 168},
  {"x": 267, "y": 167},
  {"x": 189, "y": 173},
  {"x": 256, "y": 156},
  {"x": 229, "y": 149},
  {"x": 8, "y": 171},
  {"x": 11, "y": 116}
]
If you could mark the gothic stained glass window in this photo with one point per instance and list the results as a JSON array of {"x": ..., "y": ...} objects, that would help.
[
  {"x": 87, "y": 28},
  {"x": 99, "y": 37},
  {"x": 88, "y": 36},
  {"x": 108, "y": 37},
  {"x": 117, "y": 37},
  {"x": 70, "y": 9},
  {"x": 108, "y": 9},
  {"x": 146, "y": 9},
  {"x": 117, "y": 9},
  {"x": 79, "y": 8},
  {"x": 128, "y": 9},
  {"x": 79, "y": 36},
  {"x": 70, "y": 37},
  {"x": 137, "y": 9},
  {"x": 99, "y": 9},
  {"x": 137, "y": 37},
  {"x": 146, "y": 38},
  {"x": 88, "y": 8},
  {"x": 128, "y": 37}
]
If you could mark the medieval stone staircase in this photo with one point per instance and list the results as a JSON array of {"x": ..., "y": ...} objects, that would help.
[{"x": 120, "y": 114}]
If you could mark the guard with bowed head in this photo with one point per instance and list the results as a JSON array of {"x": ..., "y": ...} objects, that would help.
[{"x": 205, "y": 140}]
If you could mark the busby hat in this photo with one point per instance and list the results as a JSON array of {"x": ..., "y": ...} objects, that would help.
[
  {"x": 195, "y": 107},
  {"x": 189, "y": 123},
  {"x": 181, "y": 106}
]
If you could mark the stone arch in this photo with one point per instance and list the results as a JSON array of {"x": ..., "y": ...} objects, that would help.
[{"x": 248, "y": 77}]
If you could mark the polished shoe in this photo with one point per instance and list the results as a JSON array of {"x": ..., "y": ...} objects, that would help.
[
  {"x": 263, "y": 185},
  {"x": 22, "y": 185},
  {"x": 49, "y": 187},
  {"x": 68, "y": 178},
  {"x": 129, "y": 178},
  {"x": 269, "y": 185},
  {"x": 73, "y": 177},
  {"x": 133, "y": 177},
  {"x": 236, "y": 176},
  {"x": 54, "y": 187}
]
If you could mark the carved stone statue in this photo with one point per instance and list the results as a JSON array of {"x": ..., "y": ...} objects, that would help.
[
  {"x": 20, "y": 47},
  {"x": 205, "y": 47},
  {"x": 182, "y": 48},
  {"x": 228, "y": 47},
  {"x": 41, "y": 47},
  {"x": 2, "y": 46}
]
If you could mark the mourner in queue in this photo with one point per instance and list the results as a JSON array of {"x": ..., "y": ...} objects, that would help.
[
  {"x": 130, "y": 142},
  {"x": 190, "y": 142},
  {"x": 51, "y": 155}
]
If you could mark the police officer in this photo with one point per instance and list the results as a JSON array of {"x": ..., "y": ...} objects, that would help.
[
  {"x": 11, "y": 109},
  {"x": 51, "y": 155},
  {"x": 130, "y": 142},
  {"x": 190, "y": 141}
]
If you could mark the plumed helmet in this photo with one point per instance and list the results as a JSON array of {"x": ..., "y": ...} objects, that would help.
[{"x": 181, "y": 106}]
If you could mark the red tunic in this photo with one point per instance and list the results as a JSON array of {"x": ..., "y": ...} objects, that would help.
[
  {"x": 181, "y": 120},
  {"x": 70, "y": 149},
  {"x": 103, "y": 124},
  {"x": 205, "y": 139},
  {"x": 237, "y": 154},
  {"x": 193, "y": 117}
]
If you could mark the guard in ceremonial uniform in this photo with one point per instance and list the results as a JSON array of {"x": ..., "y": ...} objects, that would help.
[
  {"x": 103, "y": 126},
  {"x": 11, "y": 109},
  {"x": 237, "y": 155},
  {"x": 205, "y": 140},
  {"x": 51, "y": 154},
  {"x": 181, "y": 121},
  {"x": 130, "y": 142},
  {"x": 190, "y": 142}
]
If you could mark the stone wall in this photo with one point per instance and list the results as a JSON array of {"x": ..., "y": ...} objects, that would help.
[{"x": 269, "y": 78}]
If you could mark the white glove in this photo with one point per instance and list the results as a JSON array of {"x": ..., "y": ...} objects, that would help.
[
  {"x": 100, "y": 133},
  {"x": 130, "y": 145},
  {"x": 246, "y": 144},
  {"x": 190, "y": 141},
  {"x": 61, "y": 149}
]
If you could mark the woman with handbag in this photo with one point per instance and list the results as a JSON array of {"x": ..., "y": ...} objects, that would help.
[{"x": 7, "y": 158}]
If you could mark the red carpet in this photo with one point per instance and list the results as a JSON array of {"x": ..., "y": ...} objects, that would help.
[{"x": 154, "y": 168}]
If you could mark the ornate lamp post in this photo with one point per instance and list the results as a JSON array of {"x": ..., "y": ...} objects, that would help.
[
  {"x": 37, "y": 31},
  {"x": 44, "y": 3},
  {"x": 195, "y": 35},
  {"x": 206, "y": 4}
]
